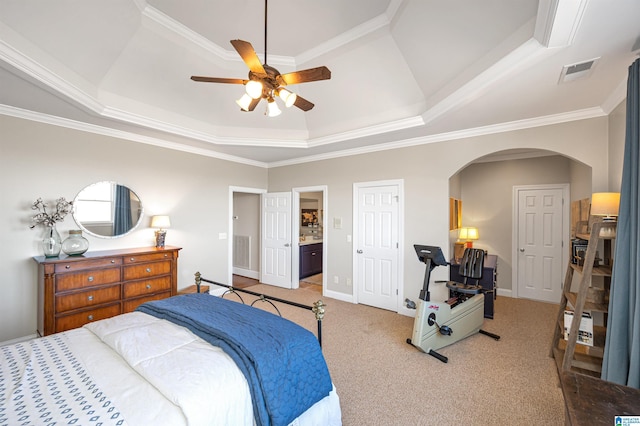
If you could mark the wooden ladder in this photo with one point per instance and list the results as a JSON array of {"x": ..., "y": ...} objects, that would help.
[{"x": 587, "y": 358}]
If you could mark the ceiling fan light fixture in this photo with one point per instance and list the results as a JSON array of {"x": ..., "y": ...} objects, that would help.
[
  {"x": 289, "y": 98},
  {"x": 254, "y": 89},
  {"x": 272, "y": 108},
  {"x": 244, "y": 102}
]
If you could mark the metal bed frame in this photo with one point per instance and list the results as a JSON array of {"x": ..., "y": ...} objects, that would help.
[{"x": 317, "y": 308}]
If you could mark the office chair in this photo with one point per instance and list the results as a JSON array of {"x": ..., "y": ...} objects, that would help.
[{"x": 471, "y": 267}]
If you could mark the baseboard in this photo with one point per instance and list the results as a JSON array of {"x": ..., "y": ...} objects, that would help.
[
  {"x": 19, "y": 340},
  {"x": 505, "y": 292},
  {"x": 246, "y": 273},
  {"x": 339, "y": 296}
]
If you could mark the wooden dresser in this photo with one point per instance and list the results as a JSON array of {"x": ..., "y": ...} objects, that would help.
[{"x": 75, "y": 290}]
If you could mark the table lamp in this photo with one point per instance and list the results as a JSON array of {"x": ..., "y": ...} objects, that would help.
[
  {"x": 160, "y": 222},
  {"x": 606, "y": 205},
  {"x": 468, "y": 234}
]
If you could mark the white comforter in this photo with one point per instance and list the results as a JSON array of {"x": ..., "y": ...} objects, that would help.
[{"x": 172, "y": 377}]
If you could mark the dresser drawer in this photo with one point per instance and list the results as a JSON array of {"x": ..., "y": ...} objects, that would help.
[
  {"x": 85, "y": 299},
  {"x": 68, "y": 322},
  {"x": 131, "y": 305},
  {"x": 147, "y": 257},
  {"x": 134, "y": 272},
  {"x": 142, "y": 287},
  {"x": 61, "y": 268},
  {"x": 87, "y": 279}
]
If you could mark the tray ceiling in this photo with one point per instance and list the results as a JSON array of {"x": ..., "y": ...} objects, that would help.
[{"x": 403, "y": 71}]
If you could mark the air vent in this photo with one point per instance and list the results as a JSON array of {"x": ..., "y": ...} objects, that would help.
[{"x": 576, "y": 71}]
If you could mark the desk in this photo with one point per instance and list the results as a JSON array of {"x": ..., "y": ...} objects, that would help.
[
  {"x": 488, "y": 281},
  {"x": 592, "y": 401}
]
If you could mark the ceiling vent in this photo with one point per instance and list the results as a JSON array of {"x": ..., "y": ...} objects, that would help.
[{"x": 576, "y": 71}]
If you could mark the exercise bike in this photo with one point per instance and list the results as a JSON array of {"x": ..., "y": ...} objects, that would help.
[{"x": 439, "y": 324}]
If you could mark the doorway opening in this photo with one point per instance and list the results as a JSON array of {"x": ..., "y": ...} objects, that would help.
[
  {"x": 485, "y": 187},
  {"x": 309, "y": 224},
  {"x": 244, "y": 233}
]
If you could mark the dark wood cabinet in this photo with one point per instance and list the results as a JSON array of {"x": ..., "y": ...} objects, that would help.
[
  {"x": 76, "y": 290},
  {"x": 488, "y": 281},
  {"x": 310, "y": 259}
]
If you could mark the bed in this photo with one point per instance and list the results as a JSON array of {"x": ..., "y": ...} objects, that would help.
[{"x": 196, "y": 360}]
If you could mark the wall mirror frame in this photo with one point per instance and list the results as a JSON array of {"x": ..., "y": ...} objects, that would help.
[
  {"x": 107, "y": 209},
  {"x": 455, "y": 214}
]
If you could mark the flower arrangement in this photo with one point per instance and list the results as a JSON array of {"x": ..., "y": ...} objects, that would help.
[{"x": 63, "y": 208}]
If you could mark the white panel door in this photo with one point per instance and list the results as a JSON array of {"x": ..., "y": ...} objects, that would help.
[
  {"x": 540, "y": 233},
  {"x": 276, "y": 239},
  {"x": 377, "y": 246}
]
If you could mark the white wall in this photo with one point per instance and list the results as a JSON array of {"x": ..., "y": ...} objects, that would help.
[
  {"x": 487, "y": 195},
  {"x": 246, "y": 221},
  {"x": 39, "y": 160},
  {"x": 617, "y": 130},
  {"x": 426, "y": 170}
]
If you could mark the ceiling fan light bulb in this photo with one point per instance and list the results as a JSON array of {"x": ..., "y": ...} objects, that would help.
[
  {"x": 287, "y": 97},
  {"x": 244, "y": 102},
  {"x": 272, "y": 109},
  {"x": 254, "y": 89}
]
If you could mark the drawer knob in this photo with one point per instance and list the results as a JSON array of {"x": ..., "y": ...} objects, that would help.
[
  {"x": 132, "y": 259},
  {"x": 90, "y": 279},
  {"x": 148, "y": 269},
  {"x": 113, "y": 261},
  {"x": 90, "y": 317},
  {"x": 90, "y": 298},
  {"x": 148, "y": 286},
  {"x": 67, "y": 267}
]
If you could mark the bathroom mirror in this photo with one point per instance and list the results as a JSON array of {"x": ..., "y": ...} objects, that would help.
[{"x": 107, "y": 210}]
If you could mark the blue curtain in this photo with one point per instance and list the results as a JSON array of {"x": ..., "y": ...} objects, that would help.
[
  {"x": 122, "y": 221},
  {"x": 621, "y": 363}
]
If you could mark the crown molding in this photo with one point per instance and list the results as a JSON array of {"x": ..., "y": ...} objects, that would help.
[
  {"x": 46, "y": 76},
  {"x": 347, "y": 37},
  {"x": 188, "y": 34},
  {"x": 377, "y": 129},
  {"x": 450, "y": 136},
  {"x": 120, "y": 134}
]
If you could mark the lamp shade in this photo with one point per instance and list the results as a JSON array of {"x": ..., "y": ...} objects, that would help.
[
  {"x": 244, "y": 102},
  {"x": 254, "y": 89},
  {"x": 160, "y": 222},
  {"x": 605, "y": 204},
  {"x": 468, "y": 233}
]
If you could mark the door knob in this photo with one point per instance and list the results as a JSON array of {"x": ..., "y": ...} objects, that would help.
[
  {"x": 522, "y": 250},
  {"x": 287, "y": 245},
  {"x": 359, "y": 251}
]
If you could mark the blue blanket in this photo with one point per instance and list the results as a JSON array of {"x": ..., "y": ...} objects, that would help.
[{"x": 282, "y": 361}]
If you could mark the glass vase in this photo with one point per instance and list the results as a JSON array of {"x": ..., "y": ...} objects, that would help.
[
  {"x": 51, "y": 243},
  {"x": 75, "y": 244}
]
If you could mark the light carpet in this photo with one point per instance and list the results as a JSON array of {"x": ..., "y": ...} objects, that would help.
[{"x": 382, "y": 380}]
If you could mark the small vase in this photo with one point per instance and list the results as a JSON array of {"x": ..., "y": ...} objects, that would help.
[
  {"x": 51, "y": 243},
  {"x": 75, "y": 244}
]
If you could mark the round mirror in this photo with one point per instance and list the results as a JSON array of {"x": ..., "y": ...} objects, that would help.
[{"x": 107, "y": 210}]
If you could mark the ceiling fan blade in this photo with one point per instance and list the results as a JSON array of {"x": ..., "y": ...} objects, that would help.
[
  {"x": 254, "y": 103},
  {"x": 218, "y": 80},
  {"x": 303, "y": 104},
  {"x": 248, "y": 55},
  {"x": 304, "y": 76}
]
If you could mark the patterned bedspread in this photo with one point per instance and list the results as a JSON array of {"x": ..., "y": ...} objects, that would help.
[{"x": 41, "y": 381}]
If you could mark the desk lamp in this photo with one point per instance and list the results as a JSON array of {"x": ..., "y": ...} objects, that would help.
[{"x": 468, "y": 234}]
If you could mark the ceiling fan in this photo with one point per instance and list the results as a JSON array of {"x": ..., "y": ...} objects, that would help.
[{"x": 266, "y": 82}]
